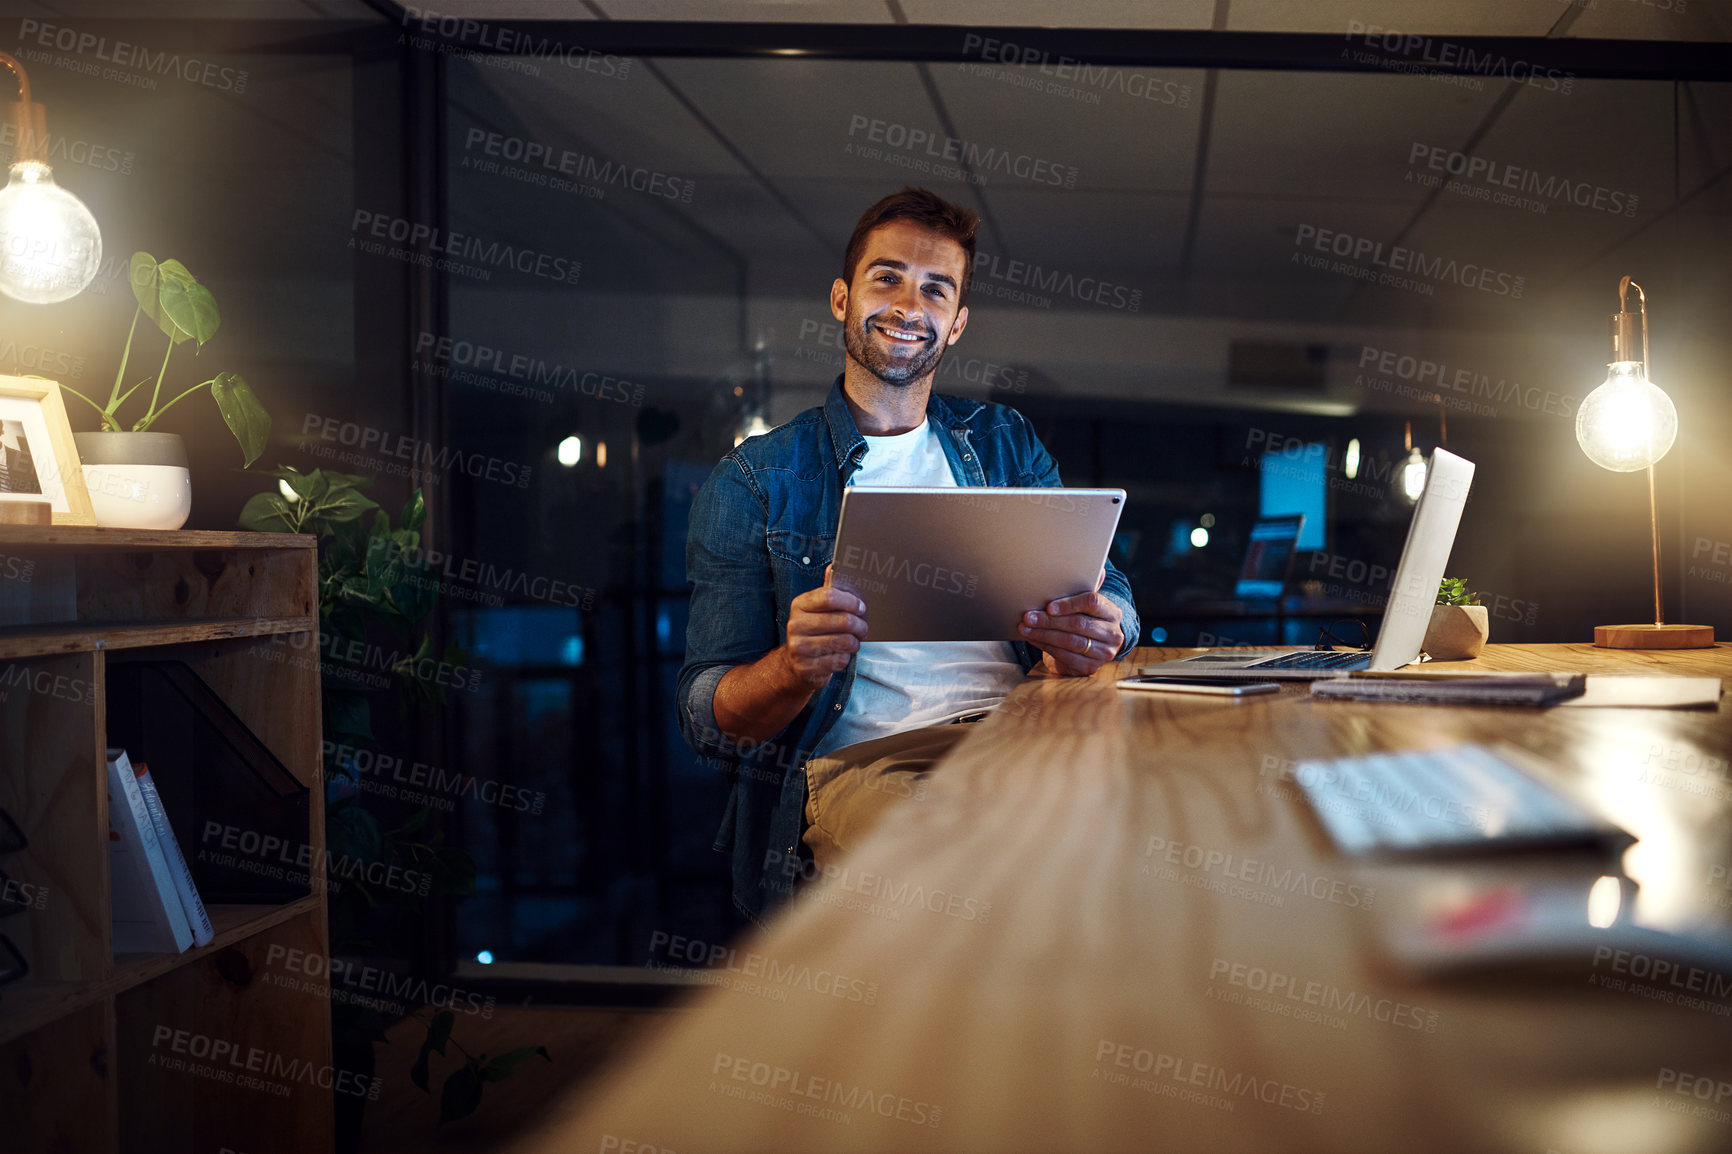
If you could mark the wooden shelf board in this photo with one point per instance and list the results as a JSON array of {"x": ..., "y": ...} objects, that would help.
[
  {"x": 83, "y": 637},
  {"x": 91, "y": 537},
  {"x": 32, "y": 1005}
]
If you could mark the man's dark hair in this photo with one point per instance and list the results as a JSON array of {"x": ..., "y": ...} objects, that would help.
[{"x": 923, "y": 207}]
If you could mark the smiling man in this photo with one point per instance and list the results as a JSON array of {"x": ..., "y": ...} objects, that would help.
[{"x": 820, "y": 728}]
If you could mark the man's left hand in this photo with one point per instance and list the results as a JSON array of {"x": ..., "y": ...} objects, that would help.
[{"x": 1078, "y": 634}]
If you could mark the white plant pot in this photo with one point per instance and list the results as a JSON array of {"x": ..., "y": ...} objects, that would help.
[{"x": 136, "y": 480}]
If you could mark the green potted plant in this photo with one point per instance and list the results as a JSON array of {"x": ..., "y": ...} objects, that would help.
[
  {"x": 374, "y": 583},
  {"x": 1459, "y": 625},
  {"x": 137, "y": 476}
]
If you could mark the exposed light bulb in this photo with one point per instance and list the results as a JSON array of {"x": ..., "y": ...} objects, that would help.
[
  {"x": 1413, "y": 475},
  {"x": 1350, "y": 462},
  {"x": 1628, "y": 423},
  {"x": 50, "y": 247},
  {"x": 1199, "y": 537},
  {"x": 570, "y": 451}
]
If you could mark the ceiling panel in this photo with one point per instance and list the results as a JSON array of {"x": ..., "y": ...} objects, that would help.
[
  {"x": 1100, "y": 124},
  {"x": 1335, "y": 135}
]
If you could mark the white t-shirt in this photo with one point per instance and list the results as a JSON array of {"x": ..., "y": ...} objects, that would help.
[{"x": 906, "y": 685}]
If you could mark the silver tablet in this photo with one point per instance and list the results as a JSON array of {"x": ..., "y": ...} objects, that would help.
[{"x": 965, "y": 564}]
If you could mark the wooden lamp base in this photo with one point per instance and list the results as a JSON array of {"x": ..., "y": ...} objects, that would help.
[{"x": 1654, "y": 636}]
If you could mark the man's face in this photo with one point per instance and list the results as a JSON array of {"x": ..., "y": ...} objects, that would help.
[{"x": 903, "y": 309}]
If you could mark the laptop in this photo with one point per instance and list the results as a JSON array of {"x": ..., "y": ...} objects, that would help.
[
  {"x": 1269, "y": 557},
  {"x": 1430, "y": 535}
]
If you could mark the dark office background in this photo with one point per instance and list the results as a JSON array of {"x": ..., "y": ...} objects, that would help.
[{"x": 678, "y": 272}]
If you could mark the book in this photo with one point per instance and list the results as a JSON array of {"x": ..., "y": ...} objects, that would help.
[
  {"x": 1530, "y": 689},
  {"x": 199, "y": 918},
  {"x": 143, "y": 902}
]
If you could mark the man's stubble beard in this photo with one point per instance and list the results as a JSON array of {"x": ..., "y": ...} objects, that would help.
[{"x": 855, "y": 339}]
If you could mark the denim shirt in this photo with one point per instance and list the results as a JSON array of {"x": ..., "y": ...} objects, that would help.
[{"x": 763, "y": 528}]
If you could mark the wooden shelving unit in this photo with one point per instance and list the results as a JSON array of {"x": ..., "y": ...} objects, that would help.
[{"x": 145, "y": 1052}]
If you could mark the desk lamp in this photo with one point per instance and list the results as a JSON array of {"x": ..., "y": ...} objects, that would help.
[
  {"x": 50, "y": 247},
  {"x": 1626, "y": 424}
]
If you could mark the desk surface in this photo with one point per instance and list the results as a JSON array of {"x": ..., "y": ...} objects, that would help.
[{"x": 957, "y": 987}]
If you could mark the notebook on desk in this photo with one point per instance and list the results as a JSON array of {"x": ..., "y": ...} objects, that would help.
[{"x": 1430, "y": 535}]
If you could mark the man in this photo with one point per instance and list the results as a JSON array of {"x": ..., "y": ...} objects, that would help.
[{"x": 818, "y": 726}]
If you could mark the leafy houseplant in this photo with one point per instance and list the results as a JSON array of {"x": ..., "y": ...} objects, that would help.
[
  {"x": 1459, "y": 625},
  {"x": 138, "y": 478},
  {"x": 373, "y": 579},
  {"x": 184, "y": 310},
  {"x": 1454, "y": 591}
]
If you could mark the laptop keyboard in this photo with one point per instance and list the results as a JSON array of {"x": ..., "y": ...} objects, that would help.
[
  {"x": 1469, "y": 795},
  {"x": 1317, "y": 659}
]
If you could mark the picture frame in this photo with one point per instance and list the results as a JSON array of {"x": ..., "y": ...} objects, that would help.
[{"x": 38, "y": 458}]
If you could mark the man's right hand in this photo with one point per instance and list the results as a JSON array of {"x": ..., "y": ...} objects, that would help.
[{"x": 826, "y": 627}]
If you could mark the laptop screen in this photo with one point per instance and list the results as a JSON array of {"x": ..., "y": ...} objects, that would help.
[{"x": 1269, "y": 557}]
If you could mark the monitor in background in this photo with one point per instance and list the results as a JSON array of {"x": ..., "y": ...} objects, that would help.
[
  {"x": 1269, "y": 557},
  {"x": 1293, "y": 482}
]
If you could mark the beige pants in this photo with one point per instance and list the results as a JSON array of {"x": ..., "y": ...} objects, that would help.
[{"x": 850, "y": 789}]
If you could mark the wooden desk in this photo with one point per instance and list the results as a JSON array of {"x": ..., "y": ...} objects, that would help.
[{"x": 1011, "y": 964}]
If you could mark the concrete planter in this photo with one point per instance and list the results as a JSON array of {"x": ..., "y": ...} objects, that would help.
[
  {"x": 1456, "y": 632},
  {"x": 136, "y": 480}
]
